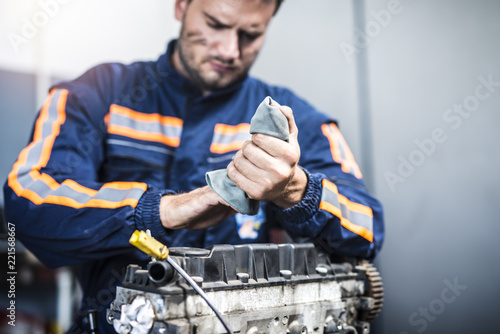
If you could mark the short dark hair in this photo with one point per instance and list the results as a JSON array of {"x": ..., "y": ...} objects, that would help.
[{"x": 278, "y": 4}]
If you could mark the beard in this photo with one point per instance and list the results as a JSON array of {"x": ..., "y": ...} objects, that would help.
[{"x": 200, "y": 72}]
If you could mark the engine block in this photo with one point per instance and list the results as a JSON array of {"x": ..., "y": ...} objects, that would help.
[{"x": 258, "y": 288}]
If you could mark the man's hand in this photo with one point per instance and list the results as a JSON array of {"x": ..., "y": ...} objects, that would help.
[
  {"x": 266, "y": 167},
  {"x": 200, "y": 208}
]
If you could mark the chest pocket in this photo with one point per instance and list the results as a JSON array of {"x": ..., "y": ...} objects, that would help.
[
  {"x": 140, "y": 146},
  {"x": 133, "y": 161},
  {"x": 227, "y": 140}
]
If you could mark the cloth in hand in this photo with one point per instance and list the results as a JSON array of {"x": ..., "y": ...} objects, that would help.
[{"x": 268, "y": 120}]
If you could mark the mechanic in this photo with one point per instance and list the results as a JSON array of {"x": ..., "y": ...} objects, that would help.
[{"x": 127, "y": 147}]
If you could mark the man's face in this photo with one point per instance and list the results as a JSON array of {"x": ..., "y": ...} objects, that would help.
[{"x": 220, "y": 39}]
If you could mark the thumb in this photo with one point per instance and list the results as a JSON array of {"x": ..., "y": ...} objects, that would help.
[{"x": 293, "y": 130}]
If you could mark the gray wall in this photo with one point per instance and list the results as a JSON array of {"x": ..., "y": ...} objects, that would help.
[
  {"x": 302, "y": 53},
  {"x": 17, "y": 110},
  {"x": 443, "y": 217},
  {"x": 435, "y": 170}
]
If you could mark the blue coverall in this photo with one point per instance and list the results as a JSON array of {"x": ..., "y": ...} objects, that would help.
[{"x": 107, "y": 146}]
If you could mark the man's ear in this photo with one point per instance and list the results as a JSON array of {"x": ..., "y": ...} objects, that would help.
[{"x": 180, "y": 8}]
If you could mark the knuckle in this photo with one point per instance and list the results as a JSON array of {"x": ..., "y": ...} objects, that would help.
[
  {"x": 246, "y": 148},
  {"x": 231, "y": 171},
  {"x": 267, "y": 184},
  {"x": 283, "y": 175},
  {"x": 281, "y": 171},
  {"x": 292, "y": 156},
  {"x": 257, "y": 138},
  {"x": 253, "y": 195}
]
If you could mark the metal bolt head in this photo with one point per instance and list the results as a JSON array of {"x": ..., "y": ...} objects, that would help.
[
  {"x": 243, "y": 277},
  {"x": 287, "y": 274},
  {"x": 322, "y": 271}
]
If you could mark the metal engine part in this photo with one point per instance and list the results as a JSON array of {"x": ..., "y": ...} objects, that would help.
[{"x": 258, "y": 288}]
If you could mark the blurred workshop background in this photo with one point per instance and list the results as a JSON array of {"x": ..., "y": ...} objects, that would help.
[{"x": 415, "y": 85}]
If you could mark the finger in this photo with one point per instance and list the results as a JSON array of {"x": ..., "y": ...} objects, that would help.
[
  {"x": 275, "y": 148},
  {"x": 241, "y": 181},
  {"x": 269, "y": 173},
  {"x": 245, "y": 166},
  {"x": 271, "y": 156},
  {"x": 292, "y": 127}
]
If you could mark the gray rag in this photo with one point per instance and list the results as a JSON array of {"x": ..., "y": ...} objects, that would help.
[{"x": 268, "y": 120}]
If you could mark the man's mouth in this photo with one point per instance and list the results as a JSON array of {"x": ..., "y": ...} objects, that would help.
[{"x": 221, "y": 67}]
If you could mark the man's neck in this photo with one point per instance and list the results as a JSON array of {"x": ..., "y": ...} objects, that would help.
[{"x": 176, "y": 62}]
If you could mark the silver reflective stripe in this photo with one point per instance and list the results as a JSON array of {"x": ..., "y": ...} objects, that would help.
[
  {"x": 49, "y": 117},
  {"x": 110, "y": 194},
  {"x": 44, "y": 191},
  {"x": 224, "y": 139},
  {"x": 35, "y": 153},
  {"x": 355, "y": 217},
  {"x": 151, "y": 148},
  {"x": 29, "y": 177},
  {"x": 335, "y": 133},
  {"x": 151, "y": 125},
  {"x": 340, "y": 143},
  {"x": 331, "y": 197}
]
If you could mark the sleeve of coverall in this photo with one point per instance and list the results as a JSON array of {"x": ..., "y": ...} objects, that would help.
[
  {"x": 61, "y": 213},
  {"x": 337, "y": 210}
]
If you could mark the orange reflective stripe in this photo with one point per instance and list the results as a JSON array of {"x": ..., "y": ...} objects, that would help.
[
  {"x": 334, "y": 145},
  {"x": 349, "y": 165},
  {"x": 143, "y": 117},
  {"x": 12, "y": 178},
  {"x": 37, "y": 137},
  {"x": 106, "y": 118},
  {"x": 231, "y": 130},
  {"x": 341, "y": 153},
  {"x": 330, "y": 185},
  {"x": 79, "y": 188},
  {"x": 56, "y": 126},
  {"x": 356, "y": 207},
  {"x": 330, "y": 208},
  {"x": 123, "y": 185},
  {"x": 352, "y": 206},
  {"x": 44, "y": 115},
  {"x": 45, "y": 178},
  {"x": 148, "y": 136},
  {"x": 153, "y": 127},
  {"x": 341, "y": 207},
  {"x": 65, "y": 201},
  {"x": 26, "y": 180},
  {"x": 229, "y": 138},
  {"x": 225, "y": 148},
  {"x": 359, "y": 230}
]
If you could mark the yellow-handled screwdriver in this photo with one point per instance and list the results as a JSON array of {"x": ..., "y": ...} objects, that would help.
[
  {"x": 159, "y": 251},
  {"x": 149, "y": 245}
]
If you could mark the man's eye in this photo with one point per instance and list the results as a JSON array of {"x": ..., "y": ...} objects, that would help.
[
  {"x": 249, "y": 36},
  {"x": 215, "y": 26}
]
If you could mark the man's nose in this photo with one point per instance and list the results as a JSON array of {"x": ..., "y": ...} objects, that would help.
[{"x": 229, "y": 46}]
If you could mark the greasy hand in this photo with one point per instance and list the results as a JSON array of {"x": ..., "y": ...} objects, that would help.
[
  {"x": 200, "y": 208},
  {"x": 266, "y": 167}
]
